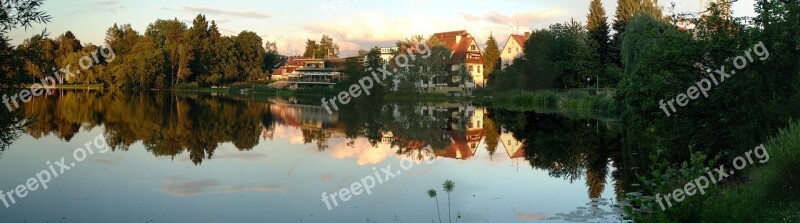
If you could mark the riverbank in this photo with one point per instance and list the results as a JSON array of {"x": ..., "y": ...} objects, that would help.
[
  {"x": 769, "y": 192},
  {"x": 575, "y": 103},
  {"x": 73, "y": 86}
]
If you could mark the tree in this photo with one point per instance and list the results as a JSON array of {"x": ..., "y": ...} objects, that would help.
[
  {"x": 326, "y": 47},
  {"x": 597, "y": 24},
  {"x": 432, "y": 194},
  {"x": 271, "y": 56},
  {"x": 448, "y": 187},
  {"x": 250, "y": 55},
  {"x": 311, "y": 48},
  {"x": 12, "y": 62},
  {"x": 491, "y": 56},
  {"x": 147, "y": 64},
  {"x": 45, "y": 48},
  {"x": 224, "y": 67},
  {"x": 67, "y": 44},
  {"x": 173, "y": 37},
  {"x": 200, "y": 37},
  {"x": 122, "y": 39},
  {"x": 492, "y": 134},
  {"x": 626, "y": 11}
]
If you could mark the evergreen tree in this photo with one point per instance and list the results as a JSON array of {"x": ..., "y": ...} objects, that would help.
[
  {"x": 597, "y": 24},
  {"x": 626, "y": 11},
  {"x": 491, "y": 56},
  {"x": 200, "y": 37},
  {"x": 311, "y": 48}
]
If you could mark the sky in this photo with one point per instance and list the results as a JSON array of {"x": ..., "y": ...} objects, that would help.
[{"x": 354, "y": 24}]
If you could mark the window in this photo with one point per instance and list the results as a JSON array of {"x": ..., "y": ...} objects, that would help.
[
  {"x": 473, "y": 48},
  {"x": 470, "y": 68},
  {"x": 509, "y": 50},
  {"x": 480, "y": 69}
]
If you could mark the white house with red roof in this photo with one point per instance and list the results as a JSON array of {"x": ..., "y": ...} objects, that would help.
[
  {"x": 513, "y": 49},
  {"x": 465, "y": 55}
]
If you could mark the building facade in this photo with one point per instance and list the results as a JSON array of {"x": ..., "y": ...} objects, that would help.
[
  {"x": 512, "y": 49},
  {"x": 466, "y": 57}
]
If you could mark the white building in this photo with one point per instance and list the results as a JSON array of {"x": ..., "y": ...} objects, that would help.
[{"x": 512, "y": 49}]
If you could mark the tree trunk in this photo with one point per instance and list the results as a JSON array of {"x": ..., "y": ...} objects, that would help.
[
  {"x": 437, "y": 209},
  {"x": 449, "y": 216}
]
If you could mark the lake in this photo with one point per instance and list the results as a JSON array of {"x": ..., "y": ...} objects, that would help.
[{"x": 203, "y": 157}]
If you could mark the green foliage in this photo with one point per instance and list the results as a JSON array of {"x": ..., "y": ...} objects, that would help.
[
  {"x": 627, "y": 10},
  {"x": 782, "y": 172},
  {"x": 491, "y": 56},
  {"x": 662, "y": 61},
  {"x": 571, "y": 103},
  {"x": 492, "y": 133},
  {"x": 561, "y": 56},
  {"x": 357, "y": 71},
  {"x": 325, "y": 47},
  {"x": 168, "y": 54},
  {"x": 597, "y": 26},
  {"x": 17, "y": 64}
]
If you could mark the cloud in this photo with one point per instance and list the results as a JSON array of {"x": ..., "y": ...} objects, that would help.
[
  {"x": 417, "y": 3},
  {"x": 368, "y": 29},
  {"x": 241, "y": 156},
  {"x": 106, "y": 162},
  {"x": 362, "y": 150},
  {"x": 470, "y": 18},
  {"x": 524, "y": 18},
  {"x": 260, "y": 188},
  {"x": 292, "y": 134},
  {"x": 181, "y": 187},
  {"x": 214, "y": 11},
  {"x": 107, "y": 2},
  {"x": 326, "y": 177},
  {"x": 528, "y": 217}
]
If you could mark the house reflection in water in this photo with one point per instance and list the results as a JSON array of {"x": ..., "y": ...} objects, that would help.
[{"x": 451, "y": 130}]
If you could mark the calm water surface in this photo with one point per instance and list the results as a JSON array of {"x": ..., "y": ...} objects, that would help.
[{"x": 191, "y": 157}]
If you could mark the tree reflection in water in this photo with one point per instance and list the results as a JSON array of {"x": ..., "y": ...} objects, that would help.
[{"x": 169, "y": 124}]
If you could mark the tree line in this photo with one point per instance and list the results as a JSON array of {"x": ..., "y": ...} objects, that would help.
[
  {"x": 168, "y": 54},
  {"x": 574, "y": 55}
]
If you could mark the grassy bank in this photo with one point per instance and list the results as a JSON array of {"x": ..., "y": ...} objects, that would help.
[
  {"x": 572, "y": 102},
  {"x": 768, "y": 192},
  {"x": 73, "y": 86}
]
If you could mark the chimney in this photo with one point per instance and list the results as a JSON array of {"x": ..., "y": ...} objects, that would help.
[
  {"x": 458, "y": 39},
  {"x": 527, "y": 35}
]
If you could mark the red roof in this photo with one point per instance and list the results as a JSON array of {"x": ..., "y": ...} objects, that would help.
[
  {"x": 520, "y": 39},
  {"x": 459, "y": 42},
  {"x": 458, "y": 146}
]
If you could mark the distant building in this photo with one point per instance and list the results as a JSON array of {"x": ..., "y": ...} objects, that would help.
[
  {"x": 310, "y": 71},
  {"x": 387, "y": 53},
  {"x": 513, "y": 49},
  {"x": 465, "y": 54}
]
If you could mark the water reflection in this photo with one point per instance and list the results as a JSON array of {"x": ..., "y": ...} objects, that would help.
[{"x": 168, "y": 124}]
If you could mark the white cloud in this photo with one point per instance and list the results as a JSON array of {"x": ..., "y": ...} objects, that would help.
[{"x": 215, "y": 11}]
